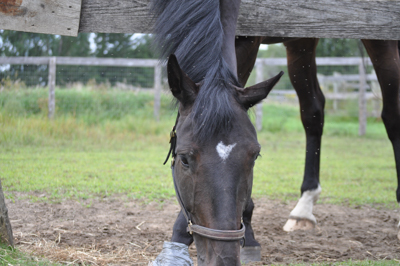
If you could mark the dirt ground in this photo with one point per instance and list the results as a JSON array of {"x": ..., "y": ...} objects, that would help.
[{"x": 117, "y": 231}]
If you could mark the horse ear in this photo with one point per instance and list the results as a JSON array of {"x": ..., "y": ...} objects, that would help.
[
  {"x": 182, "y": 87},
  {"x": 252, "y": 95}
]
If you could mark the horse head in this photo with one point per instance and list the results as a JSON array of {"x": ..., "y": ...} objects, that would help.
[{"x": 213, "y": 175}]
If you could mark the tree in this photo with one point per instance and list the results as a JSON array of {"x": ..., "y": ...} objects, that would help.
[
  {"x": 14, "y": 43},
  {"x": 17, "y": 43},
  {"x": 74, "y": 46},
  {"x": 339, "y": 48},
  {"x": 124, "y": 46}
]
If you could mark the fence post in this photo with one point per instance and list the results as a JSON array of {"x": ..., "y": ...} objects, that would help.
[
  {"x": 157, "y": 90},
  {"x": 362, "y": 102},
  {"x": 52, "y": 86},
  {"x": 259, "y": 78}
]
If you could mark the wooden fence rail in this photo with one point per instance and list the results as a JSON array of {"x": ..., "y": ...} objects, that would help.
[
  {"x": 361, "y": 19},
  {"x": 52, "y": 62}
]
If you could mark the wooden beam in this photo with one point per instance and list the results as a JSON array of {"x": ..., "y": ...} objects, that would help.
[
  {"x": 356, "y": 19},
  {"x": 41, "y": 16},
  {"x": 369, "y": 19}
]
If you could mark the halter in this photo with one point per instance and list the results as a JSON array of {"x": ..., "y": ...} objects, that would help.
[{"x": 224, "y": 235}]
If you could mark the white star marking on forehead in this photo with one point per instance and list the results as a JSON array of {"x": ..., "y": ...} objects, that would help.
[{"x": 224, "y": 151}]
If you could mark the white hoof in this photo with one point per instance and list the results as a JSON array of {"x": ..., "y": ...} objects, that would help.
[
  {"x": 302, "y": 217},
  {"x": 298, "y": 224}
]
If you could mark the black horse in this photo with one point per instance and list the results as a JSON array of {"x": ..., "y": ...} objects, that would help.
[
  {"x": 214, "y": 144},
  {"x": 302, "y": 68}
]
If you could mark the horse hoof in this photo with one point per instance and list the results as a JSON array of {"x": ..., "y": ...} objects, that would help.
[
  {"x": 250, "y": 254},
  {"x": 298, "y": 224}
]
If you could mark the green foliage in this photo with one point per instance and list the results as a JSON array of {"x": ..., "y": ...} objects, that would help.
[
  {"x": 17, "y": 43},
  {"x": 74, "y": 46},
  {"x": 12, "y": 256},
  {"x": 338, "y": 47},
  {"x": 123, "y": 46}
]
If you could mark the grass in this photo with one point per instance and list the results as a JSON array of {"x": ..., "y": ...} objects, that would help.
[
  {"x": 354, "y": 170},
  {"x": 75, "y": 156},
  {"x": 11, "y": 256},
  {"x": 107, "y": 143}
]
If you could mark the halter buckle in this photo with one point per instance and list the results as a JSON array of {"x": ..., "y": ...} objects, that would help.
[
  {"x": 190, "y": 223},
  {"x": 172, "y": 135}
]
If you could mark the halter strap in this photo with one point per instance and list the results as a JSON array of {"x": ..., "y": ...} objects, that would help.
[
  {"x": 172, "y": 141},
  {"x": 222, "y": 235}
]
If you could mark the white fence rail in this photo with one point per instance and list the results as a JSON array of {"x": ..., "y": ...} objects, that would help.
[{"x": 362, "y": 77}]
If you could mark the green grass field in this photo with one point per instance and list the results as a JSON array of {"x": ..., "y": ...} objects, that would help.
[
  {"x": 122, "y": 151},
  {"x": 107, "y": 143}
]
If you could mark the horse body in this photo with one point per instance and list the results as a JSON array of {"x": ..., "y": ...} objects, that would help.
[{"x": 303, "y": 75}]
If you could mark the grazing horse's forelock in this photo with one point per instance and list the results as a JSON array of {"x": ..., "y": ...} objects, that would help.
[{"x": 192, "y": 30}]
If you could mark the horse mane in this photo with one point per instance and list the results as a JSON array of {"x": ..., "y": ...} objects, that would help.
[{"x": 192, "y": 30}]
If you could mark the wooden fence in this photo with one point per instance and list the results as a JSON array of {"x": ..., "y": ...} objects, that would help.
[
  {"x": 52, "y": 62},
  {"x": 326, "y": 61},
  {"x": 361, "y": 19},
  {"x": 362, "y": 77}
]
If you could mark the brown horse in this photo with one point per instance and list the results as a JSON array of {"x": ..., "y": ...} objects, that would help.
[
  {"x": 213, "y": 144},
  {"x": 301, "y": 52}
]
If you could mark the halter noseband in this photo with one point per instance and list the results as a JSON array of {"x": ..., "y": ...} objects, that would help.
[{"x": 224, "y": 235}]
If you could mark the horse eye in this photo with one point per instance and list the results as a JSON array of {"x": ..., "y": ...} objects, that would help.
[{"x": 184, "y": 161}]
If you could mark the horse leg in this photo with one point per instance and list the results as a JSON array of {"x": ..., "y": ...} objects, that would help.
[
  {"x": 303, "y": 75},
  {"x": 385, "y": 59},
  {"x": 176, "y": 252},
  {"x": 246, "y": 55},
  {"x": 252, "y": 249},
  {"x": 179, "y": 233}
]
